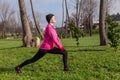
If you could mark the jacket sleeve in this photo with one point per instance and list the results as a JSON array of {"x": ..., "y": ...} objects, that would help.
[{"x": 55, "y": 38}]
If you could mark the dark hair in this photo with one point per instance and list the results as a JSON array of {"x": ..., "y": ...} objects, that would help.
[{"x": 48, "y": 17}]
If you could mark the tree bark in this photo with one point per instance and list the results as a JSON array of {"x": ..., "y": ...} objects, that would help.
[
  {"x": 35, "y": 20},
  {"x": 27, "y": 35},
  {"x": 67, "y": 18},
  {"x": 90, "y": 18},
  {"x": 102, "y": 27},
  {"x": 62, "y": 18},
  {"x": 77, "y": 13}
]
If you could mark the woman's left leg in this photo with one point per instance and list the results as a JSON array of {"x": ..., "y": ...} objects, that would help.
[{"x": 36, "y": 57}]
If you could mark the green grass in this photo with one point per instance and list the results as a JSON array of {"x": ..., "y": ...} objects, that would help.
[{"x": 89, "y": 61}]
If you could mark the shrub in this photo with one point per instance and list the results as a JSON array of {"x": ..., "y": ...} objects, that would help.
[
  {"x": 76, "y": 33},
  {"x": 95, "y": 31},
  {"x": 113, "y": 33}
]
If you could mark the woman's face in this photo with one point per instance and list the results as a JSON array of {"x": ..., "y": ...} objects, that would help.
[{"x": 53, "y": 19}]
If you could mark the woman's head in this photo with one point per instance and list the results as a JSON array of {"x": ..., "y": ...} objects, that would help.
[{"x": 50, "y": 18}]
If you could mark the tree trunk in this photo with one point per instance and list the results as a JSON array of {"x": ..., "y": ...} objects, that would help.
[
  {"x": 62, "y": 13},
  {"x": 102, "y": 27},
  {"x": 77, "y": 13},
  {"x": 4, "y": 30},
  {"x": 90, "y": 24},
  {"x": 67, "y": 19},
  {"x": 27, "y": 35},
  {"x": 35, "y": 20},
  {"x": 80, "y": 10},
  {"x": 62, "y": 18},
  {"x": 90, "y": 17}
]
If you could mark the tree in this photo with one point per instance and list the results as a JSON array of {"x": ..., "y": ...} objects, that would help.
[
  {"x": 85, "y": 10},
  {"x": 63, "y": 13},
  {"x": 79, "y": 7},
  {"x": 109, "y": 5},
  {"x": 62, "y": 26},
  {"x": 35, "y": 20},
  {"x": 89, "y": 7},
  {"x": 102, "y": 21},
  {"x": 27, "y": 35},
  {"x": 113, "y": 33},
  {"x": 67, "y": 17},
  {"x": 6, "y": 13},
  {"x": 116, "y": 17}
]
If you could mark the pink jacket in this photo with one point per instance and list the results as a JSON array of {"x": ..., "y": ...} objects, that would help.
[{"x": 51, "y": 39}]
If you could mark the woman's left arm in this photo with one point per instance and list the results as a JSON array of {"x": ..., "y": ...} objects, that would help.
[{"x": 55, "y": 38}]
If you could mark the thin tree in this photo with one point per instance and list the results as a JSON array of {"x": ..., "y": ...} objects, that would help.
[
  {"x": 27, "y": 35},
  {"x": 62, "y": 18},
  {"x": 90, "y": 17},
  {"x": 102, "y": 27},
  {"x": 35, "y": 20},
  {"x": 80, "y": 11},
  {"x": 67, "y": 17},
  {"x": 62, "y": 13},
  {"x": 88, "y": 13},
  {"x": 79, "y": 7},
  {"x": 84, "y": 13},
  {"x": 6, "y": 12}
]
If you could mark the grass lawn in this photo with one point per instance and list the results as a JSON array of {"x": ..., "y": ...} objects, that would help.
[{"x": 89, "y": 61}]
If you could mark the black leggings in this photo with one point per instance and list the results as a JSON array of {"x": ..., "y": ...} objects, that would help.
[{"x": 42, "y": 52}]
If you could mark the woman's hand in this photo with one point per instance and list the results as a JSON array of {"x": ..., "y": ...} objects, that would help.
[{"x": 62, "y": 49}]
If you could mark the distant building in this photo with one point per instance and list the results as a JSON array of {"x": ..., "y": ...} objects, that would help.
[
  {"x": 95, "y": 24},
  {"x": 118, "y": 22}
]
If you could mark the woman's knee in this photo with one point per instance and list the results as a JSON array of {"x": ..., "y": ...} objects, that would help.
[
  {"x": 32, "y": 60},
  {"x": 65, "y": 52}
]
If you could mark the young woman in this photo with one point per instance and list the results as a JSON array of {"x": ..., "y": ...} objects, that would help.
[{"x": 48, "y": 45}]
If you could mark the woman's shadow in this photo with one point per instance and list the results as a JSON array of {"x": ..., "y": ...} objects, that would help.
[
  {"x": 10, "y": 48},
  {"x": 86, "y": 49},
  {"x": 5, "y": 69}
]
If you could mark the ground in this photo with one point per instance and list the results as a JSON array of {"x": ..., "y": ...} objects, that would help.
[{"x": 89, "y": 61}]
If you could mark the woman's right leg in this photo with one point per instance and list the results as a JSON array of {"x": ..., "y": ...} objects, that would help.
[
  {"x": 65, "y": 55},
  {"x": 36, "y": 57}
]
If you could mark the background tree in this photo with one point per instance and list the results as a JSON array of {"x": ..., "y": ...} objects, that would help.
[
  {"x": 102, "y": 21},
  {"x": 113, "y": 33},
  {"x": 63, "y": 13},
  {"x": 85, "y": 11},
  {"x": 67, "y": 18},
  {"x": 27, "y": 35},
  {"x": 116, "y": 17},
  {"x": 6, "y": 13},
  {"x": 35, "y": 20}
]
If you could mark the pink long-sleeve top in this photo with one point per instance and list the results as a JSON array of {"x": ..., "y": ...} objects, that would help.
[{"x": 51, "y": 39}]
